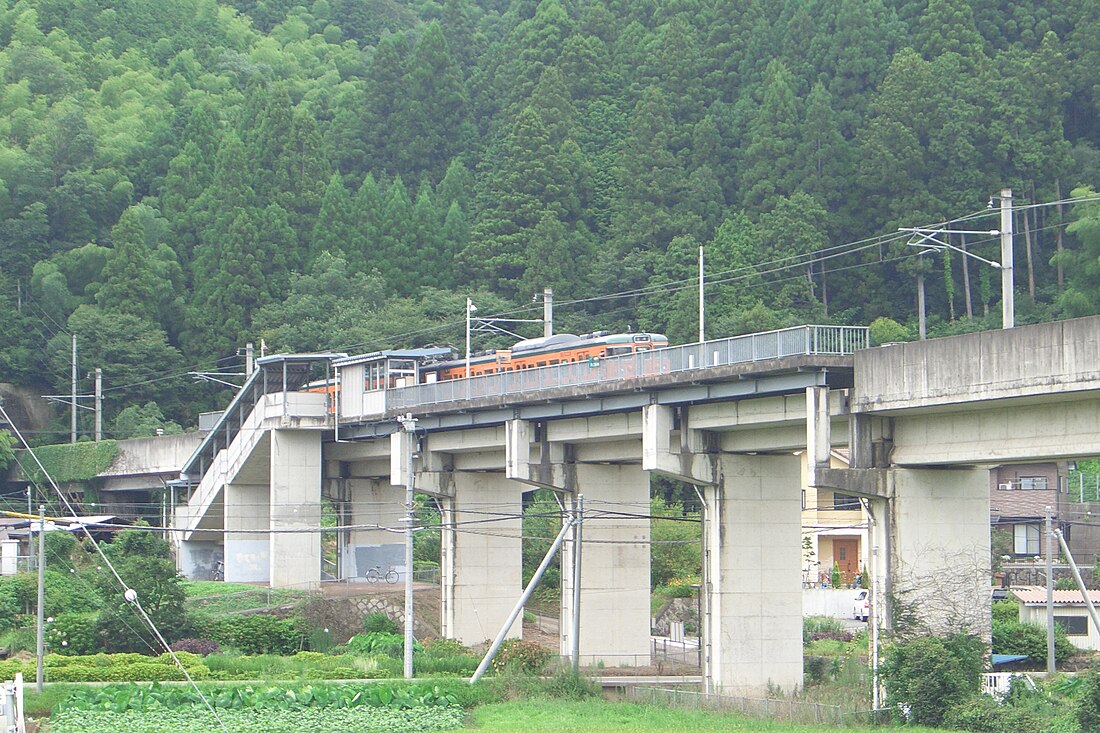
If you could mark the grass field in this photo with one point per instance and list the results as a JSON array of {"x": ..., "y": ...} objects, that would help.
[{"x": 561, "y": 716}]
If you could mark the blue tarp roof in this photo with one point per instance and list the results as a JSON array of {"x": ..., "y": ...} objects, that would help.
[{"x": 1007, "y": 658}]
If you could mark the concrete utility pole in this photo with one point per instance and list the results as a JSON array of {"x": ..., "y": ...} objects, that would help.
[
  {"x": 575, "y": 632},
  {"x": 1008, "y": 293},
  {"x": 98, "y": 404},
  {"x": 470, "y": 310},
  {"x": 702, "y": 329},
  {"x": 1050, "y": 592},
  {"x": 41, "y": 645},
  {"x": 249, "y": 360},
  {"x": 547, "y": 312},
  {"x": 408, "y": 424}
]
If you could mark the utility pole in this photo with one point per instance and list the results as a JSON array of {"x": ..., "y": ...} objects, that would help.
[
  {"x": 470, "y": 310},
  {"x": 702, "y": 330},
  {"x": 1050, "y": 592},
  {"x": 72, "y": 407},
  {"x": 922, "y": 328},
  {"x": 575, "y": 632},
  {"x": 1008, "y": 295},
  {"x": 408, "y": 424},
  {"x": 249, "y": 360},
  {"x": 547, "y": 311},
  {"x": 98, "y": 404},
  {"x": 41, "y": 646}
]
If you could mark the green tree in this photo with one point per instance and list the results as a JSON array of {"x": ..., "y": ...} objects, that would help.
[
  {"x": 1082, "y": 264},
  {"x": 930, "y": 675},
  {"x": 142, "y": 421}
]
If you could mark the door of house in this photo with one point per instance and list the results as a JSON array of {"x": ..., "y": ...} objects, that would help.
[{"x": 846, "y": 556}]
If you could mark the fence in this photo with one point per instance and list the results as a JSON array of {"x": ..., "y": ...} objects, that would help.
[{"x": 798, "y": 341}]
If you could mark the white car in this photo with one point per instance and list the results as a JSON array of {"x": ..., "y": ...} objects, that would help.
[{"x": 861, "y": 605}]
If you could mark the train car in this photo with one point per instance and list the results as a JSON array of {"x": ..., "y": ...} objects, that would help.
[{"x": 562, "y": 348}]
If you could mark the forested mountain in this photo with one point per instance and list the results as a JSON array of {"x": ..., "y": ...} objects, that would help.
[{"x": 179, "y": 177}]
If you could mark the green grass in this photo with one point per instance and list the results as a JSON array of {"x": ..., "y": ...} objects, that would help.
[
  {"x": 561, "y": 716},
  {"x": 216, "y": 597}
]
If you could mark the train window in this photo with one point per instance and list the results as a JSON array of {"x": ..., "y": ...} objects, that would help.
[{"x": 617, "y": 350}]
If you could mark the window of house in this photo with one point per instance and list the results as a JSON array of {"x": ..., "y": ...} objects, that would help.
[
  {"x": 1074, "y": 625},
  {"x": 845, "y": 503},
  {"x": 1026, "y": 539},
  {"x": 1032, "y": 483}
]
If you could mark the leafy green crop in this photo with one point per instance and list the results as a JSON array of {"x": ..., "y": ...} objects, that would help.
[
  {"x": 262, "y": 720},
  {"x": 123, "y": 698}
]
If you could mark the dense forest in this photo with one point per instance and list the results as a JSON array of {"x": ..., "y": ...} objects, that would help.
[{"x": 180, "y": 177}]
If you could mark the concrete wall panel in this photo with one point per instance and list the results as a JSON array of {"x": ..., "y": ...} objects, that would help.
[{"x": 295, "y": 504}]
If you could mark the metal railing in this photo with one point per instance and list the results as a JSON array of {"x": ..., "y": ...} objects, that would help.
[{"x": 797, "y": 341}]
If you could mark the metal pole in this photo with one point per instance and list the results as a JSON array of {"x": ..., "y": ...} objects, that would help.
[
  {"x": 470, "y": 308},
  {"x": 702, "y": 330},
  {"x": 98, "y": 404},
  {"x": 72, "y": 406},
  {"x": 1008, "y": 296},
  {"x": 547, "y": 311},
  {"x": 409, "y": 426},
  {"x": 41, "y": 646},
  {"x": 575, "y": 632},
  {"x": 1050, "y": 592},
  {"x": 1077, "y": 578},
  {"x": 566, "y": 526}
]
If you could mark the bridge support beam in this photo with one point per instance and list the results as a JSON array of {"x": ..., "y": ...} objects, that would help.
[
  {"x": 753, "y": 576},
  {"x": 938, "y": 554},
  {"x": 247, "y": 554},
  {"x": 295, "y": 558},
  {"x": 482, "y": 557},
  {"x": 531, "y": 458},
  {"x": 614, "y": 582}
]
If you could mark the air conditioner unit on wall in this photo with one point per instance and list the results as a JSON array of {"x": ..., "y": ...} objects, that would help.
[{"x": 1004, "y": 487}]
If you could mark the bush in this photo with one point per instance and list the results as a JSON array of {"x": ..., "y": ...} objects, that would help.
[
  {"x": 983, "y": 714},
  {"x": 381, "y": 642},
  {"x": 926, "y": 677},
  {"x": 444, "y": 648},
  {"x": 73, "y": 633},
  {"x": 1088, "y": 704},
  {"x": 1013, "y": 637},
  {"x": 380, "y": 622},
  {"x": 1007, "y": 611},
  {"x": 815, "y": 669},
  {"x": 197, "y": 646},
  {"x": 252, "y": 634},
  {"x": 517, "y": 655}
]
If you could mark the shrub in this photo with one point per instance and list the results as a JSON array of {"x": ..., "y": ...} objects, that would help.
[
  {"x": 380, "y": 622},
  {"x": 815, "y": 669},
  {"x": 521, "y": 656},
  {"x": 983, "y": 714},
  {"x": 444, "y": 648},
  {"x": 927, "y": 676},
  {"x": 1007, "y": 611},
  {"x": 197, "y": 646},
  {"x": 73, "y": 633},
  {"x": 252, "y": 634},
  {"x": 380, "y": 642},
  {"x": 814, "y": 626},
  {"x": 1013, "y": 637},
  {"x": 1088, "y": 703}
]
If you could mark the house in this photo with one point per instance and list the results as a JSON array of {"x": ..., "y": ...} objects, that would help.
[
  {"x": 834, "y": 530},
  {"x": 1069, "y": 611},
  {"x": 1018, "y": 497}
]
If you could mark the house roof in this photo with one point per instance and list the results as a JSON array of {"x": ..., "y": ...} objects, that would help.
[{"x": 1034, "y": 595}]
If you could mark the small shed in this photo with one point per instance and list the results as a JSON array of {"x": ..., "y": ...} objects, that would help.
[{"x": 1069, "y": 610}]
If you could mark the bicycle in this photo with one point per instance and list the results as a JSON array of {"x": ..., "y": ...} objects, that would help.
[{"x": 375, "y": 574}]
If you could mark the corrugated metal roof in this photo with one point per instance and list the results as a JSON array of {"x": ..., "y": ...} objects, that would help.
[{"x": 1037, "y": 596}]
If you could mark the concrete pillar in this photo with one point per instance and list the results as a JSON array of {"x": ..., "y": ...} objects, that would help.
[
  {"x": 374, "y": 502},
  {"x": 482, "y": 563},
  {"x": 753, "y": 576},
  {"x": 247, "y": 554},
  {"x": 615, "y": 600},
  {"x": 938, "y": 563},
  {"x": 295, "y": 558}
]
